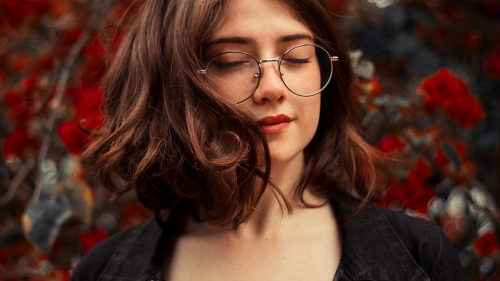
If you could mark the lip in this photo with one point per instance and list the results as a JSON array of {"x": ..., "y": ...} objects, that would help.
[{"x": 274, "y": 124}]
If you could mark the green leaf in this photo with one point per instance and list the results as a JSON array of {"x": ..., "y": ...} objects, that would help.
[
  {"x": 43, "y": 218},
  {"x": 452, "y": 154}
]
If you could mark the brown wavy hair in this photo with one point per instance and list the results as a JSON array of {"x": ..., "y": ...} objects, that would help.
[{"x": 169, "y": 136}]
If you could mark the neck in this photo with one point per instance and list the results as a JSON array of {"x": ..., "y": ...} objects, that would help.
[{"x": 269, "y": 217}]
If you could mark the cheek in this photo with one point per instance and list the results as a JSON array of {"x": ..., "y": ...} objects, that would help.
[{"x": 311, "y": 112}]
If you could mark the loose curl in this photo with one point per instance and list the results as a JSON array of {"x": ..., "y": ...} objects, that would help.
[{"x": 170, "y": 137}]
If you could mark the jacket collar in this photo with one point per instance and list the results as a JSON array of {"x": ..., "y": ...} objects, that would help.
[{"x": 371, "y": 249}]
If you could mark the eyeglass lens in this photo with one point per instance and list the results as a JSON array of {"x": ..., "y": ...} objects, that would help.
[{"x": 305, "y": 70}]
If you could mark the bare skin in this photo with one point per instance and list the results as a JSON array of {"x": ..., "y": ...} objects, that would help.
[{"x": 271, "y": 245}]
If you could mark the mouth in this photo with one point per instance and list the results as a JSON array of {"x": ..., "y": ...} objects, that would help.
[{"x": 274, "y": 124}]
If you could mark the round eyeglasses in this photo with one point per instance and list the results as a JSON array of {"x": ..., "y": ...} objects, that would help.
[{"x": 305, "y": 70}]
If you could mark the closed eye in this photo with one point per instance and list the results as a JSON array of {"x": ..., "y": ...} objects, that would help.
[
  {"x": 231, "y": 65},
  {"x": 297, "y": 61}
]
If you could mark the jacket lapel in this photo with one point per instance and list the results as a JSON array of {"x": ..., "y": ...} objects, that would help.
[{"x": 372, "y": 250}]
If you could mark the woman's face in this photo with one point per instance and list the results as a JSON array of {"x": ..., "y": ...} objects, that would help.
[{"x": 266, "y": 29}]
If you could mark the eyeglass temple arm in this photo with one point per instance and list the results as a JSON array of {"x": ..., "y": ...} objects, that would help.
[{"x": 334, "y": 58}]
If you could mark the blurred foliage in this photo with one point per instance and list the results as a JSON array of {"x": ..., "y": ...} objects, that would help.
[{"x": 428, "y": 75}]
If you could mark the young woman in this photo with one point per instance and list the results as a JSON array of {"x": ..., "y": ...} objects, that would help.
[{"x": 233, "y": 121}]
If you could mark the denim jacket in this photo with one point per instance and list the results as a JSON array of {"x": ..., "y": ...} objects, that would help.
[{"x": 377, "y": 244}]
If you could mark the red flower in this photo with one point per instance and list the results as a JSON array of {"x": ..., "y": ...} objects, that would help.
[
  {"x": 90, "y": 239},
  {"x": 420, "y": 173},
  {"x": 372, "y": 87},
  {"x": 391, "y": 194},
  {"x": 72, "y": 35},
  {"x": 88, "y": 100},
  {"x": 391, "y": 144},
  {"x": 415, "y": 193},
  {"x": 21, "y": 105},
  {"x": 486, "y": 244},
  {"x": 492, "y": 64},
  {"x": 19, "y": 61},
  {"x": 452, "y": 93},
  {"x": 75, "y": 139},
  {"x": 465, "y": 110},
  {"x": 14, "y": 12},
  {"x": 88, "y": 108},
  {"x": 441, "y": 159},
  {"x": 441, "y": 88},
  {"x": 416, "y": 197},
  {"x": 29, "y": 84},
  {"x": 43, "y": 63},
  {"x": 18, "y": 142}
]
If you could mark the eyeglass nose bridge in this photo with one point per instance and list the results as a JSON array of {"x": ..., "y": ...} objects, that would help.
[{"x": 257, "y": 75}]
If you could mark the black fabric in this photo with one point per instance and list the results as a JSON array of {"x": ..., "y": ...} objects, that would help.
[{"x": 378, "y": 244}]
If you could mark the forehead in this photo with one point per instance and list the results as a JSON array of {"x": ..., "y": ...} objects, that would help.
[{"x": 259, "y": 20}]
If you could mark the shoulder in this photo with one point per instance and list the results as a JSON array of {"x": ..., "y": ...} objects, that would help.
[
  {"x": 98, "y": 259},
  {"x": 378, "y": 242},
  {"x": 425, "y": 242}
]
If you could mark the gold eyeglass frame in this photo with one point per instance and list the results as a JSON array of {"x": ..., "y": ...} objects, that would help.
[{"x": 279, "y": 60}]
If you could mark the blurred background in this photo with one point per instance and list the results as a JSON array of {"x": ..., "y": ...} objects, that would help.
[{"x": 428, "y": 76}]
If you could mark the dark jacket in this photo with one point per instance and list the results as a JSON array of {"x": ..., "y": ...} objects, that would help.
[{"x": 378, "y": 244}]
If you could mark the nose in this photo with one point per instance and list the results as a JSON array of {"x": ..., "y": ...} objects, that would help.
[{"x": 271, "y": 87}]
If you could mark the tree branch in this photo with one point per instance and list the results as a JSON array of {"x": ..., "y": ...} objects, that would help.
[
  {"x": 56, "y": 100},
  {"x": 16, "y": 181}
]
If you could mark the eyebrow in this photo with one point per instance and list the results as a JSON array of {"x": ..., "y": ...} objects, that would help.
[{"x": 248, "y": 41}]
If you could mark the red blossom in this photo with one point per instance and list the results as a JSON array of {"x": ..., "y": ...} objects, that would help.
[
  {"x": 391, "y": 194},
  {"x": 469, "y": 167},
  {"x": 29, "y": 84},
  {"x": 43, "y": 63},
  {"x": 18, "y": 142},
  {"x": 75, "y": 139},
  {"x": 461, "y": 149},
  {"x": 19, "y": 61},
  {"x": 90, "y": 239},
  {"x": 415, "y": 193},
  {"x": 59, "y": 7},
  {"x": 452, "y": 93},
  {"x": 441, "y": 159},
  {"x": 416, "y": 197},
  {"x": 486, "y": 245},
  {"x": 87, "y": 100},
  {"x": 465, "y": 110},
  {"x": 391, "y": 144},
  {"x": 72, "y": 35},
  {"x": 88, "y": 104},
  {"x": 14, "y": 12},
  {"x": 492, "y": 64},
  {"x": 372, "y": 87},
  {"x": 21, "y": 105},
  {"x": 420, "y": 173}
]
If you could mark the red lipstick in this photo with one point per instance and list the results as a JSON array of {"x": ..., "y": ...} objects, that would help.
[{"x": 274, "y": 124}]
